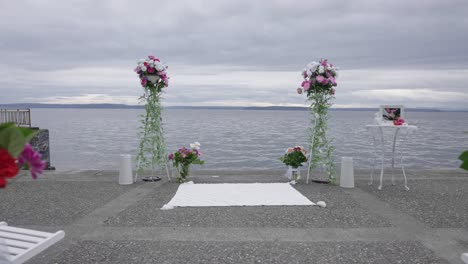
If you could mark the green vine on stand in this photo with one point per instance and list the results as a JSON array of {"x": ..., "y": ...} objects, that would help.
[
  {"x": 320, "y": 146},
  {"x": 152, "y": 149}
]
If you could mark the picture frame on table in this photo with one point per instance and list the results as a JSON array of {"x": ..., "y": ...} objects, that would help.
[{"x": 390, "y": 113}]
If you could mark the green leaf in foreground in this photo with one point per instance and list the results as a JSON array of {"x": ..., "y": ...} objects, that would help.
[
  {"x": 13, "y": 140},
  {"x": 464, "y": 158},
  {"x": 28, "y": 133},
  {"x": 464, "y": 165},
  {"x": 7, "y": 125}
]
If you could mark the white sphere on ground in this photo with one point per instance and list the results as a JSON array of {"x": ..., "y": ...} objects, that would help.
[{"x": 322, "y": 204}]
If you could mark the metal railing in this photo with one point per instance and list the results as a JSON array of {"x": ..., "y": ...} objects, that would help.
[{"x": 21, "y": 117}]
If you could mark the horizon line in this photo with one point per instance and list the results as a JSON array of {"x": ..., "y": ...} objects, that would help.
[{"x": 275, "y": 107}]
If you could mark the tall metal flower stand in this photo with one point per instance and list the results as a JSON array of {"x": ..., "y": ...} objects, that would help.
[{"x": 152, "y": 149}]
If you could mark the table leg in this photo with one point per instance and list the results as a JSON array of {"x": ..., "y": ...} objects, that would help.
[
  {"x": 371, "y": 180},
  {"x": 393, "y": 154},
  {"x": 383, "y": 157},
  {"x": 402, "y": 165},
  {"x": 404, "y": 175}
]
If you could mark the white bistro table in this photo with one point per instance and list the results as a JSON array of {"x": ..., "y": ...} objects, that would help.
[{"x": 378, "y": 137}]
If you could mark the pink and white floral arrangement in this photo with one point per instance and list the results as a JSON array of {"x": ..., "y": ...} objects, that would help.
[
  {"x": 152, "y": 73},
  {"x": 294, "y": 157},
  {"x": 183, "y": 158},
  {"x": 296, "y": 148},
  {"x": 319, "y": 77}
]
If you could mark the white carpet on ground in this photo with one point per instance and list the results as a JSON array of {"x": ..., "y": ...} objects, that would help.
[{"x": 236, "y": 194}]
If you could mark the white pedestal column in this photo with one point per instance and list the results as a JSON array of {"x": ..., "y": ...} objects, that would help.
[
  {"x": 125, "y": 174},
  {"x": 347, "y": 173}
]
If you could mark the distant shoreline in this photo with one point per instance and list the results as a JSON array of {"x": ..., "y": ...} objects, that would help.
[{"x": 123, "y": 106}]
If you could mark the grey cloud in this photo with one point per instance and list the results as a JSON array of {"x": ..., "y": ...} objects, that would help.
[
  {"x": 357, "y": 33},
  {"x": 250, "y": 35}
]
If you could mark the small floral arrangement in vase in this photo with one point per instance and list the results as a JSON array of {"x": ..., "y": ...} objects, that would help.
[
  {"x": 294, "y": 157},
  {"x": 182, "y": 159}
]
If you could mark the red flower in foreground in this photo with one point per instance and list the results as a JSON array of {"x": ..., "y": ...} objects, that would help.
[{"x": 8, "y": 167}]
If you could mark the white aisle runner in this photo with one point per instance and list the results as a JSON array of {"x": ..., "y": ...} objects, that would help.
[{"x": 236, "y": 194}]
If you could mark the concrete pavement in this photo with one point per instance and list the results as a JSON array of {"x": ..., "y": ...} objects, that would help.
[{"x": 108, "y": 223}]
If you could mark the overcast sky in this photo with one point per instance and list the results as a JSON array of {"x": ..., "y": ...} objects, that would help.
[{"x": 235, "y": 53}]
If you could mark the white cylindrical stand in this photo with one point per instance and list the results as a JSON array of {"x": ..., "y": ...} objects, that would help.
[
  {"x": 125, "y": 174},
  {"x": 347, "y": 173},
  {"x": 464, "y": 257}
]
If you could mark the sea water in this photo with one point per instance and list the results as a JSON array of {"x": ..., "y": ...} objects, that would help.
[{"x": 243, "y": 139}]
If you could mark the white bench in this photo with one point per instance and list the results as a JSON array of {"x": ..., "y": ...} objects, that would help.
[{"x": 19, "y": 244}]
